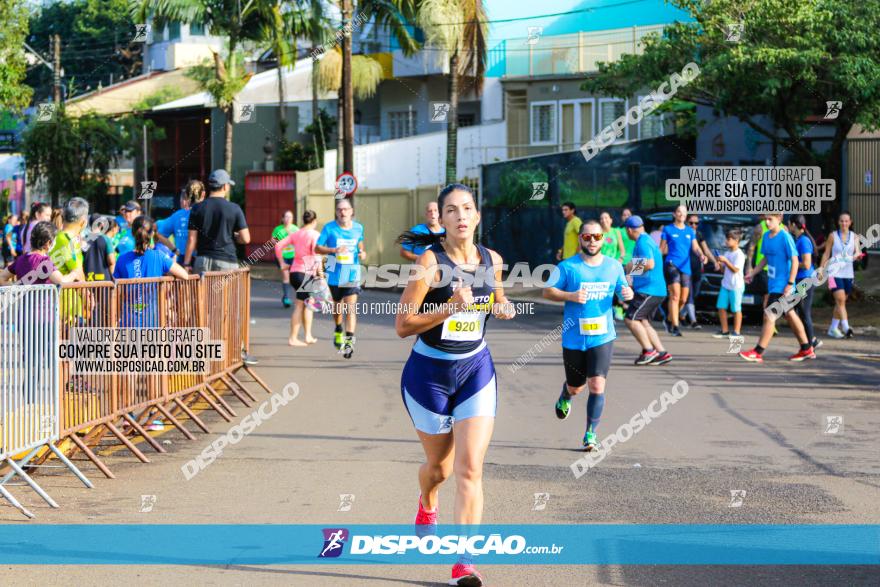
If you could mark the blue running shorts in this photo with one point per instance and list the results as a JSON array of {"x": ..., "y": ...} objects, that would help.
[{"x": 440, "y": 389}]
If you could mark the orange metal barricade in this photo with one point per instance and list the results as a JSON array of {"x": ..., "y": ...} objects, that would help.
[{"x": 93, "y": 404}]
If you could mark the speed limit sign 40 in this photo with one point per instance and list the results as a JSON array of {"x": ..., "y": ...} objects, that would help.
[{"x": 346, "y": 185}]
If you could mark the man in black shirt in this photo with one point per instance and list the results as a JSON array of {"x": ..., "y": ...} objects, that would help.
[{"x": 215, "y": 225}]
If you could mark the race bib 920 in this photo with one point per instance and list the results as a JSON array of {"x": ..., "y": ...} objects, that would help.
[{"x": 463, "y": 326}]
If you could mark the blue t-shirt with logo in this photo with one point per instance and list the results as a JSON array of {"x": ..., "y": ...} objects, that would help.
[
  {"x": 178, "y": 225},
  {"x": 421, "y": 229},
  {"x": 780, "y": 252},
  {"x": 805, "y": 246},
  {"x": 590, "y": 324},
  {"x": 679, "y": 240},
  {"x": 343, "y": 269},
  {"x": 650, "y": 282},
  {"x": 140, "y": 307}
]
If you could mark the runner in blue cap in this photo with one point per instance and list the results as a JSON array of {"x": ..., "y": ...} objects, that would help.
[{"x": 646, "y": 271}]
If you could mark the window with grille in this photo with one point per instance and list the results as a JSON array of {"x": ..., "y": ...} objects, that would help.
[
  {"x": 543, "y": 123},
  {"x": 403, "y": 124}
]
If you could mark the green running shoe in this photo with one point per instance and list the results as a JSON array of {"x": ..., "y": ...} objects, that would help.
[
  {"x": 338, "y": 336},
  {"x": 591, "y": 443},
  {"x": 563, "y": 406}
]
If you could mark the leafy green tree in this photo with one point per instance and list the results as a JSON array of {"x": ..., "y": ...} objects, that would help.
[
  {"x": 73, "y": 155},
  {"x": 293, "y": 156},
  {"x": 285, "y": 21},
  {"x": 793, "y": 57},
  {"x": 14, "y": 94},
  {"x": 96, "y": 39}
]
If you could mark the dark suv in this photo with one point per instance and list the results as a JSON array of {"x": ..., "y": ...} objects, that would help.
[{"x": 713, "y": 229}]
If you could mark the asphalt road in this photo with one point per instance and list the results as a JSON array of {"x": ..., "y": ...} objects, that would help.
[{"x": 741, "y": 427}]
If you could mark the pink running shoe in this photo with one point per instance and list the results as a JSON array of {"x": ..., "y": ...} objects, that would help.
[
  {"x": 465, "y": 575},
  {"x": 426, "y": 522}
]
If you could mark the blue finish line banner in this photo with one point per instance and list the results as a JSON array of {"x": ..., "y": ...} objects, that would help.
[{"x": 658, "y": 544}]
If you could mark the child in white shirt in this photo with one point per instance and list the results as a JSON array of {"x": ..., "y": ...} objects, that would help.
[{"x": 732, "y": 285}]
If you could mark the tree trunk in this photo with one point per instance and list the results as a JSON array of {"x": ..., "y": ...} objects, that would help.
[
  {"x": 316, "y": 114},
  {"x": 282, "y": 110},
  {"x": 348, "y": 98},
  {"x": 339, "y": 140},
  {"x": 314, "y": 84},
  {"x": 227, "y": 155},
  {"x": 452, "y": 122}
]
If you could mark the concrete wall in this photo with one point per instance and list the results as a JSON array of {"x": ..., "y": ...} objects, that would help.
[
  {"x": 421, "y": 160},
  {"x": 385, "y": 213}
]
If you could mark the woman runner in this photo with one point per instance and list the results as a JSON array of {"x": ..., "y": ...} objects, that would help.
[
  {"x": 448, "y": 383},
  {"x": 806, "y": 249},
  {"x": 844, "y": 245}
]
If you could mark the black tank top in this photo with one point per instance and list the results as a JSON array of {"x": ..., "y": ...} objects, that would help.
[{"x": 462, "y": 332}]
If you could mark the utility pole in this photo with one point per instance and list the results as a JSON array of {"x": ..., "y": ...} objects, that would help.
[
  {"x": 347, "y": 97},
  {"x": 56, "y": 46}
]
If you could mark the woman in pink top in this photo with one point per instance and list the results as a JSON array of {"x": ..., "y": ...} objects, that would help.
[{"x": 306, "y": 267}]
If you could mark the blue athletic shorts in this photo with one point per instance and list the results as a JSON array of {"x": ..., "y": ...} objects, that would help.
[
  {"x": 844, "y": 283},
  {"x": 730, "y": 299},
  {"x": 439, "y": 391}
]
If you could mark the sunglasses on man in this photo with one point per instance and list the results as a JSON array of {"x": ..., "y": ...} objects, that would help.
[{"x": 587, "y": 237}]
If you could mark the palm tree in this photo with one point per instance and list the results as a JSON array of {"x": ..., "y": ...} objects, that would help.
[
  {"x": 366, "y": 74},
  {"x": 459, "y": 27},
  {"x": 393, "y": 15},
  {"x": 285, "y": 21},
  {"x": 237, "y": 20}
]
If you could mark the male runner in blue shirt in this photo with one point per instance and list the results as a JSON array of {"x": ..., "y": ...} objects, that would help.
[{"x": 587, "y": 283}]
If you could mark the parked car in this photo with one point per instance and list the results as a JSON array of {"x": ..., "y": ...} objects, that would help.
[{"x": 713, "y": 229}]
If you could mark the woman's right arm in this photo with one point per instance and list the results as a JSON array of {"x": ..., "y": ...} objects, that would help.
[
  {"x": 828, "y": 246},
  {"x": 408, "y": 321}
]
